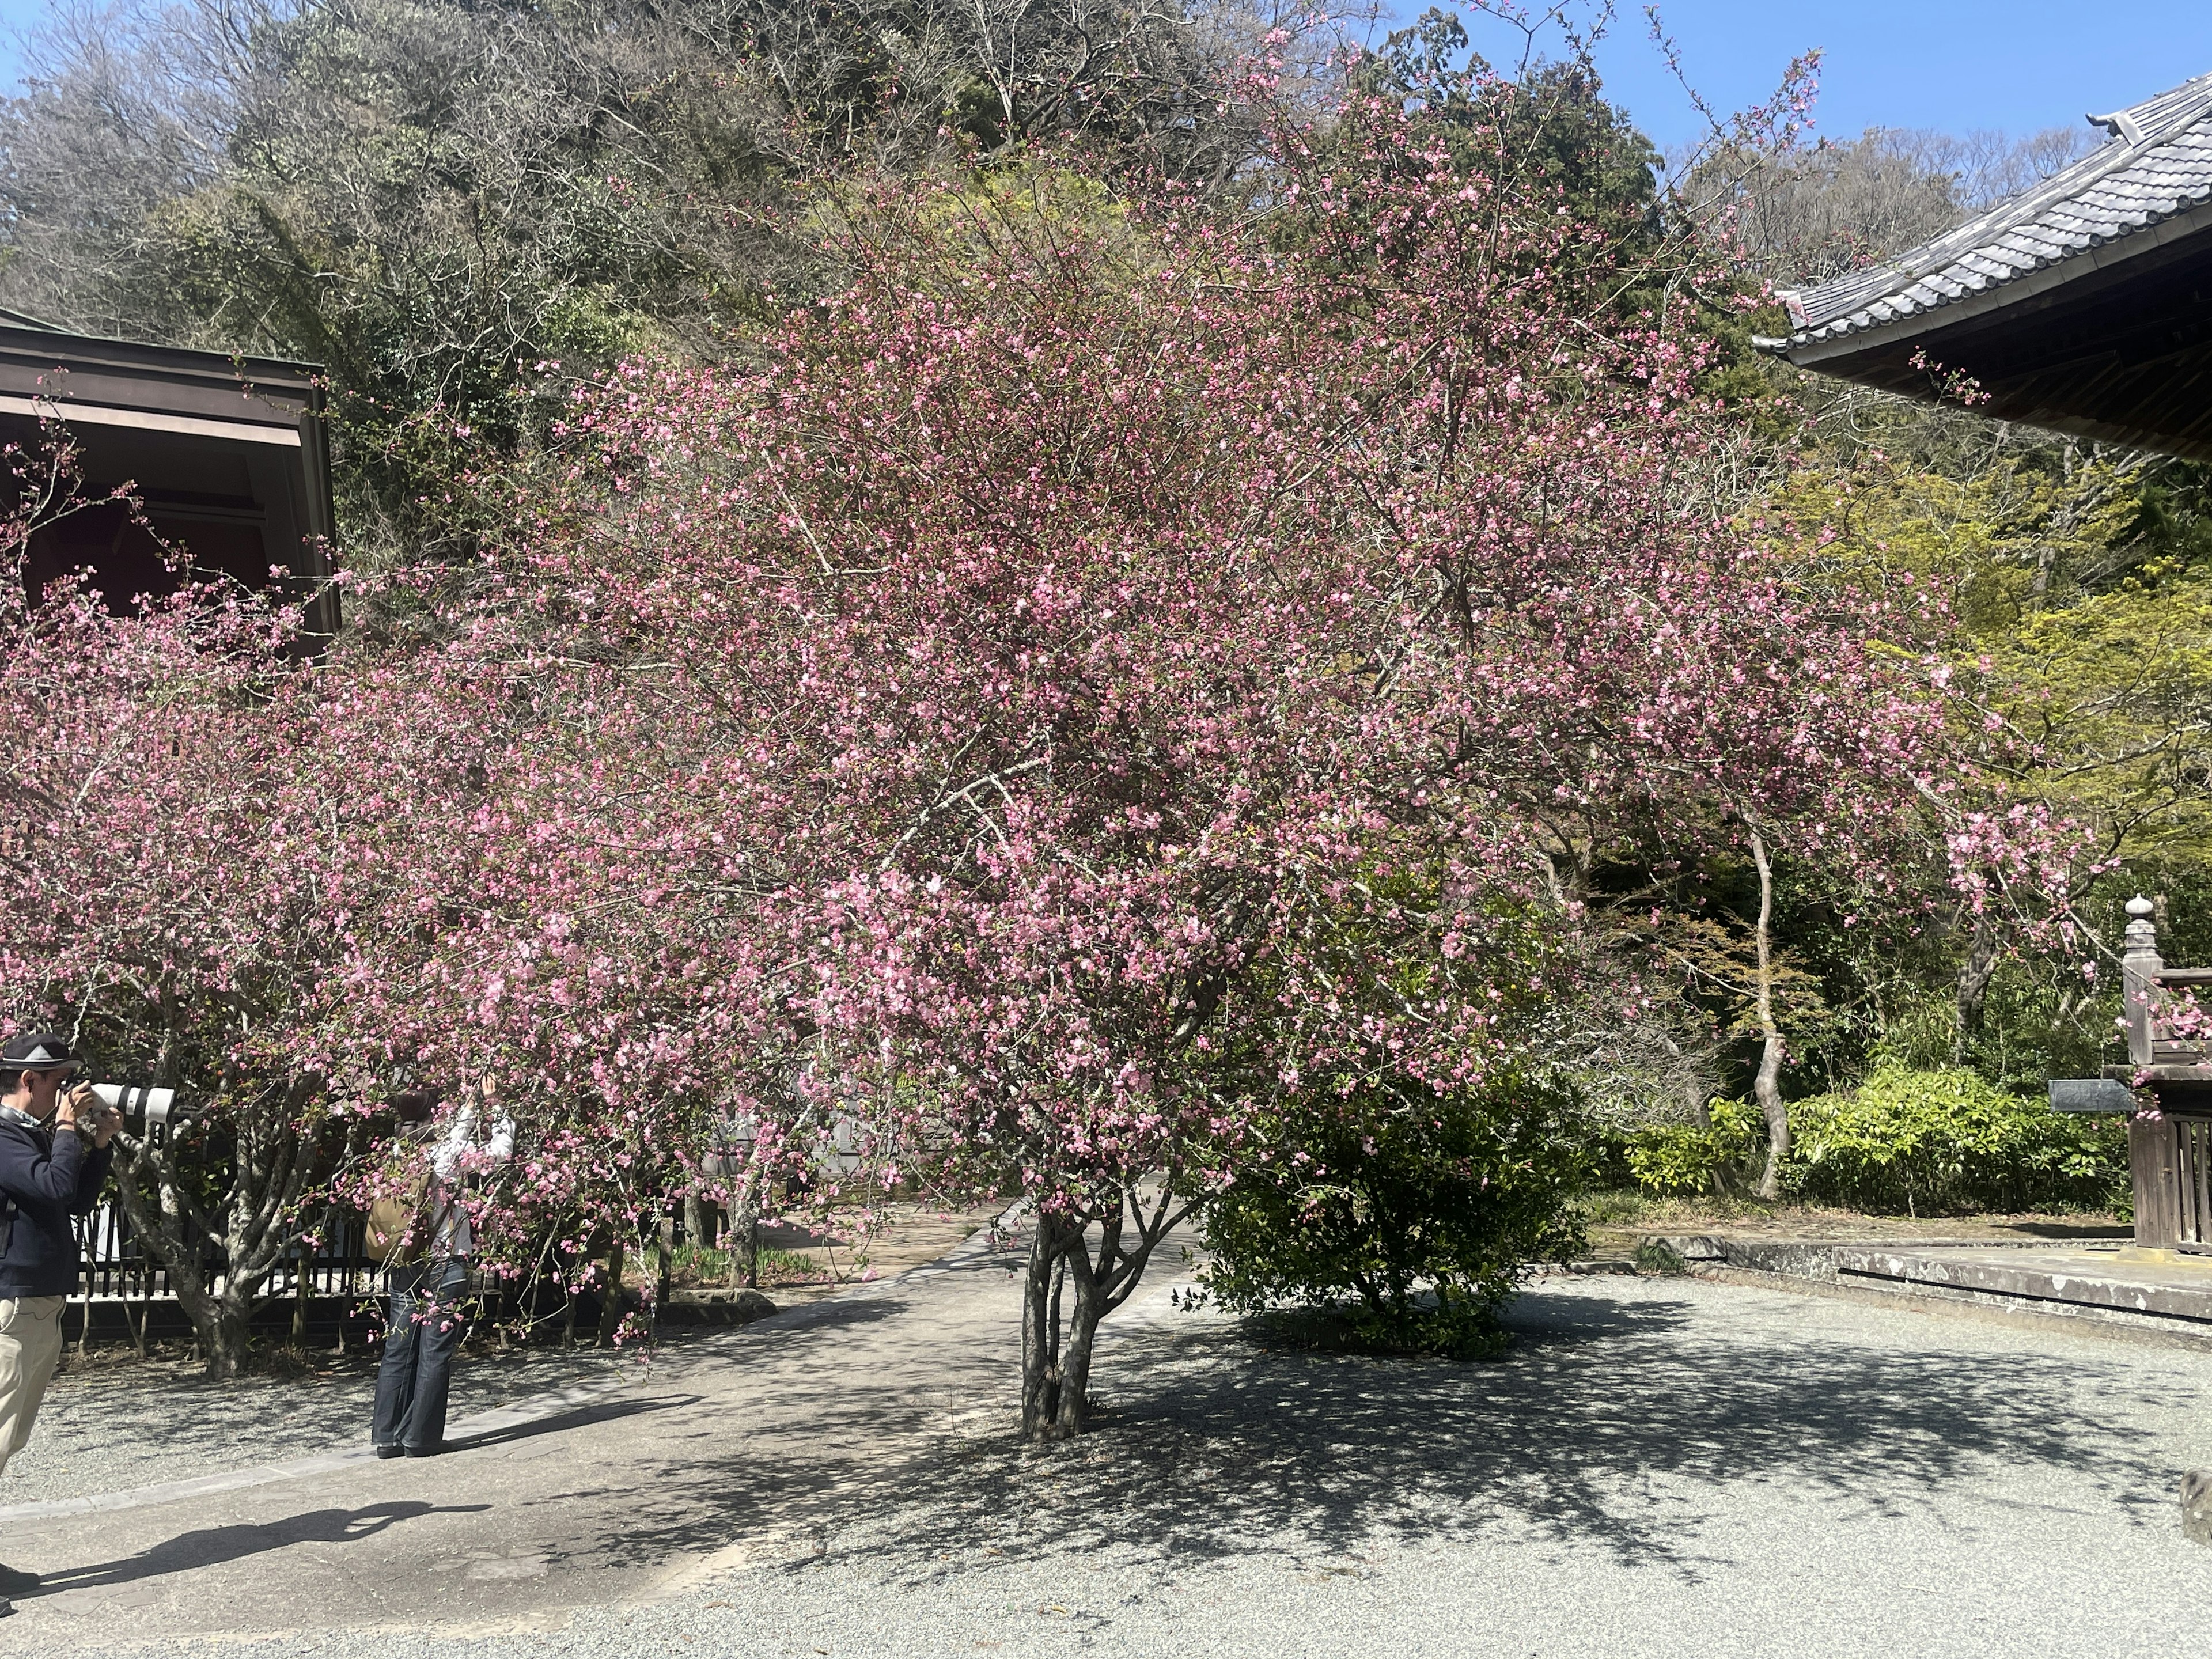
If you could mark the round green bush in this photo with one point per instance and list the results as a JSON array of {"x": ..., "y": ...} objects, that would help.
[
  {"x": 1399, "y": 1221},
  {"x": 1945, "y": 1141}
]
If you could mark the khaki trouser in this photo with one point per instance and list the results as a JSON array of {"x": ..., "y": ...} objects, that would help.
[{"x": 30, "y": 1348}]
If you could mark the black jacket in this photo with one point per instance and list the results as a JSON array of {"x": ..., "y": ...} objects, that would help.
[{"x": 45, "y": 1179}]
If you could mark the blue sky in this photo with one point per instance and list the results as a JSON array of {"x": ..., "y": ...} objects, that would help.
[{"x": 1955, "y": 65}]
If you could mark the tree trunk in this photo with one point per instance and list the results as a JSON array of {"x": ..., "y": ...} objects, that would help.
[
  {"x": 1064, "y": 1279},
  {"x": 701, "y": 1221},
  {"x": 1041, "y": 1368},
  {"x": 227, "y": 1337},
  {"x": 1974, "y": 976},
  {"x": 611, "y": 1300},
  {"x": 1075, "y": 1360},
  {"x": 1766, "y": 1087},
  {"x": 742, "y": 1237},
  {"x": 252, "y": 1226},
  {"x": 170, "y": 1231},
  {"x": 664, "y": 1256},
  {"x": 1056, "y": 1355}
]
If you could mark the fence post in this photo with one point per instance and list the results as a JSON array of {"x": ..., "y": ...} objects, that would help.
[{"x": 301, "y": 1264}]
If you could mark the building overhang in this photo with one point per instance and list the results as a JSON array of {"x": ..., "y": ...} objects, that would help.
[
  {"x": 2080, "y": 305},
  {"x": 2117, "y": 348},
  {"x": 227, "y": 456}
]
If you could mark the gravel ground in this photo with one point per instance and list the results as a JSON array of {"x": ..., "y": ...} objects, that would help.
[
  {"x": 1662, "y": 1466},
  {"x": 113, "y": 1423},
  {"x": 107, "y": 1427}
]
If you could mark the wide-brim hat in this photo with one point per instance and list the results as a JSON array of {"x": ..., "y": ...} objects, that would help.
[{"x": 40, "y": 1051}]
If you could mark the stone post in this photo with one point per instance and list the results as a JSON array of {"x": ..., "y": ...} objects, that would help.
[
  {"x": 2140, "y": 967},
  {"x": 2150, "y": 1139}
]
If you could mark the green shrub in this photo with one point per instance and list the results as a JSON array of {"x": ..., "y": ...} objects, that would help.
[
  {"x": 1396, "y": 1222},
  {"x": 1690, "y": 1158},
  {"x": 1655, "y": 1256},
  {"x": 1934, "y": 1141},
  {"x": 1944, "y": 1142}
]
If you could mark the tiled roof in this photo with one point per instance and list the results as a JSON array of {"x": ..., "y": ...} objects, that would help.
[{"x": 2157, "y": 164}]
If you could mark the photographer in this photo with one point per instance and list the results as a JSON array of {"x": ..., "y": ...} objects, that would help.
[{"x": 54, "y": 1153}]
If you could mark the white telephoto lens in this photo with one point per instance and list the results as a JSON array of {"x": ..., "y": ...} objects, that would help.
[{"x": 153, "y": 1103}]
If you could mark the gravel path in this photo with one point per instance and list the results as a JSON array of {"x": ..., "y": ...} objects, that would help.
[
  {"x": 1662, "y": 1466},
  {"x": 110, "y": 1425},
  {"x": 107, "y": 1427}
]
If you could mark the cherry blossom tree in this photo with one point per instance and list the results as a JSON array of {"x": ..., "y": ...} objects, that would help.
[
  {"x": 189, "y": 895},
  {"x": 1125, "y": 657},
  {"x": 1072, "y": 616}
]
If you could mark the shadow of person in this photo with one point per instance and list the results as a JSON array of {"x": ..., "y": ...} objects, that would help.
[
  {"x": 564, "y": 1422},
  {"x": 212, "y": 1546}
]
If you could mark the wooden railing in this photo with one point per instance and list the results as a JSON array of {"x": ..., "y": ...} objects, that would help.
[
  {"x": 2171, "y": 1160},
  {"x": 2169, "y": 1153}
]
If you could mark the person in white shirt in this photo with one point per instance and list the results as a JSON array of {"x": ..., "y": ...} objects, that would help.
[{"x": 426, "y": 1322}]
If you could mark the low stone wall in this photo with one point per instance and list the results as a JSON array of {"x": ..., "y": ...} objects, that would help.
[{"x": 2071, "y": 1282}]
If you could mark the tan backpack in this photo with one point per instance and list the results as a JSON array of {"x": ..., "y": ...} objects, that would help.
[{"x": 397, "y": 1225}]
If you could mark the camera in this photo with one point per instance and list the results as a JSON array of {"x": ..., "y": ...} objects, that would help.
[{"x": 155, "y": 1106}]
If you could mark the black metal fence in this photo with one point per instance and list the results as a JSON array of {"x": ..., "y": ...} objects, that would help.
[
  {"x": 117, "y": 1267},
  {"x": 329, "y": 1286}
]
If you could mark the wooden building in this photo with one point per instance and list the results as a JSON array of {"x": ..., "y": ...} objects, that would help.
[
  {"x": 2083, "y": 306},
  {"x": 229, "y": 457}
]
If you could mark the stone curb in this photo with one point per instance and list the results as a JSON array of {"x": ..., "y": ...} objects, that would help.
[{"x": 2019, "y": 1313}]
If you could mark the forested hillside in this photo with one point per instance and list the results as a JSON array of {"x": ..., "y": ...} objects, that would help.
[{"x": 447, "y": 204}]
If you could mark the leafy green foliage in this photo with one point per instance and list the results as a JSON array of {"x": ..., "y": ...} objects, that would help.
[
  {"x": 1694, "y": 1157},
  {"x": 1655, "y": 1256},
  {"x": 1555, "y": 122},
  {"x": 1410, "y": 1220},
  {"x": 2069, "y": 588},
  {"x": 1937, "y": 1141},
  {"x": 1841, "y": 965},
  {"x": 2042, "y": 1020},
  {"x": 694, "y": 1264},
  {"x": 1945, "y": 1142},
  {"x": 1552, "y": 141}
]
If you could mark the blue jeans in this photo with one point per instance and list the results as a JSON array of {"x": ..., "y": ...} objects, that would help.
[{"x": 425, "y": 1329}]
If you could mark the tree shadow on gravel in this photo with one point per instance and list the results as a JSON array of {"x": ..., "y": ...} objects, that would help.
[
  {"x": 564, "y": 1422},
  {"x": 1611, "y": 1422}
]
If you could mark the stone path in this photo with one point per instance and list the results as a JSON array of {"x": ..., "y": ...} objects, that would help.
[
  {"x": 1662, "y": 1467},
  {"x": 113, "y": 1425}
]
